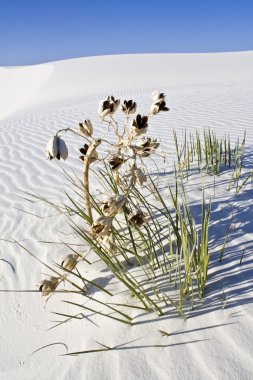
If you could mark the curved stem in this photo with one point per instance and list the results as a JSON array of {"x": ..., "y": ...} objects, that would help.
[
  {"x": 87, "y": 161},
  {"x": 75, "y": 132}
]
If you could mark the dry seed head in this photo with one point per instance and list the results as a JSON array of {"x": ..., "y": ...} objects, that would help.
[
  {"x": 101, "y": 226},
  {"x": 139, "y": 125},
  {"x": 48, "y": 286},
  {"x": 63, "y": 150},
  {"x": 140, "y": 176},
  {"x": 108, "y": 106},
  {"x": 69, "y": 261},
  {"x": 84, "y": 150},
  {"x": 86, "y": 128},
  {"x": 158, "y": 107},
  {"x": 113, "y": 206},
  {"x": 129, "y": 107},
  {"x": 56, "y": 148},
  {"x": 137, "y": 218},
  {"x": 51, "y": 150},
  {"x": 109, "y": 243},
  {"x": 116, "y": 163},
  {"x": 146, "y": 147},
  {"x": 157, "y": 96}
]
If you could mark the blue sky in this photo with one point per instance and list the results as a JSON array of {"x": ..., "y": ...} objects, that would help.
[{"x": 34, "y": 31}]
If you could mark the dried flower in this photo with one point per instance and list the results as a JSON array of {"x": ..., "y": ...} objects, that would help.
[
  {"x": 84, "y": 150},
  {"x": 51, "y": 150},
  {"x": 116, "y": 163},
  {"x": 86, "y": 128},
  {"x": 139, "y": 125},
  {"x": 146, "y": 147},
  {"x": 101, "y": 226},
  {"x": 69, "y": 261},
  {"x": 113, "y": 206},
  {"x": 108, "y": 106},
  {"x": 48, "y": 286},
  {"x": 157, "y": 96},
  {"x": 139, "y": 176},
  {"x": 56, "y": 148},
  {"x": 158, "y": 103},
  {"x": 138, "y": 218},
  {"x": 129, "y": 107},
  {"x": 157, "y": 107},
  {"x": 63, "y": 150},
  {"x": 109, "y": 243}
]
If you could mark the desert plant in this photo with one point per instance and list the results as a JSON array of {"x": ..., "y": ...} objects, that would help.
[
  {"x": 129, "y": 222},
  {"x": 209, "y": 153}
]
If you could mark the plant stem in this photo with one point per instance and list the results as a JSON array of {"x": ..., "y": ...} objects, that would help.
[{"x": 86, "y": 165}]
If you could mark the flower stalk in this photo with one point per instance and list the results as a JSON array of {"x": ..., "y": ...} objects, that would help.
[{"x": 86, "y": 166}]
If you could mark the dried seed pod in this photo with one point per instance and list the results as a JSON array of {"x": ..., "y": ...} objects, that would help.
[
  {"x": 48, "y": 286},
  {"x": 109, "y": 243},
  {"x": 69, "y": 261},
  {"x": 158, "y": 96},
  {"x": 116, "y": 163},
  {"x": 51, "y": 150},
  {"x": 101, "y": 226},
  {"x": 108, "y": 106},
  {"x": 84, "y": 150},
  {"x": 113, "y": 206},
  {"x": 129, "y": 107},
  {"x": 63, "y": 150},
  {"x": 86, "y": 128},
  {"x": 158, "y": 107},
  {"x": 139, "y": 125},
  {"x": 56, "y": 148},
  {"x": 137, "y": 218},
  {"x": 146, "y": 147},
  {"x": 140, "y": 177}
]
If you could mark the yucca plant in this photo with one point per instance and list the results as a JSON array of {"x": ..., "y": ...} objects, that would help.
[
  {"x": 130, "y": 223},
  {"x": 117, "y": 227}
]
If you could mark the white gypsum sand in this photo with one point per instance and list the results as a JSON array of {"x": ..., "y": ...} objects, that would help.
[{"x": 203, "y": 90}]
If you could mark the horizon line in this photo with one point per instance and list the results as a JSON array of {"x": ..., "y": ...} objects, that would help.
[{"x": 120, "y": 54}]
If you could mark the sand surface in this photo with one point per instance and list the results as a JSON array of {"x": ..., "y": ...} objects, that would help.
[{"x": 203, "y": 90}]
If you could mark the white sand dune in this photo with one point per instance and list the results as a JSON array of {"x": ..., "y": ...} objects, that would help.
[{"x": 203, "y": 90}]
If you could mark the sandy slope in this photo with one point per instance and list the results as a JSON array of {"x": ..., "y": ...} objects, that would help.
[{"x": 203, "y": 90}]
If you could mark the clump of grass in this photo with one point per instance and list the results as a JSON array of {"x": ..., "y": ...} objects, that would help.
[
  {"x": 237, "y": 179},
  {"x": 188, "y": 242},
  {"x": 209, "y": 153}
]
